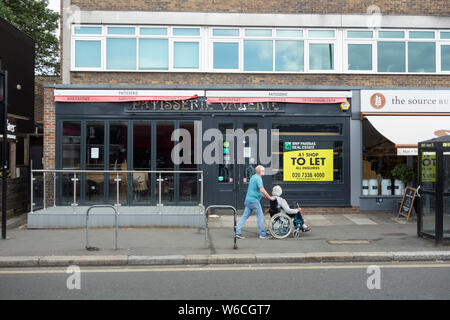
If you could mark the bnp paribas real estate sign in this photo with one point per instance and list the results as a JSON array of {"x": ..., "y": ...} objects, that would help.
[{"x": 307, "y": 161}]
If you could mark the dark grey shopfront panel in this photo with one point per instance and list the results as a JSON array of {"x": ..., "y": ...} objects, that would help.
[
  {"x": 307, "y": 123},
  {"x": 324, "y": 133}
]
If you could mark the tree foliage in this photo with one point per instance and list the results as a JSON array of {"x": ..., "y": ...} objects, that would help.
[{"x": 35, "y": 19}]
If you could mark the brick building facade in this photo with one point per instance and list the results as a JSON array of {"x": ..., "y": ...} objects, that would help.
[{"x": 413, "y": 19}]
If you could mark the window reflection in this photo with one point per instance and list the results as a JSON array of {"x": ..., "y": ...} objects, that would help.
[
  {"x": 391, "y": 56},
  {"x": 359, "y": 57},
  {"x": 142, "y": 132},
  {"x": 226, "y": 169},
  {"x": 321, "y": 56},
  {"x": 258, "y": 55},
  {"x": 95, "y": 160},
  {"x": 118, "y": 160},
  {"x": 421, "y": 57},
  {"x": 188, "y": 181}
]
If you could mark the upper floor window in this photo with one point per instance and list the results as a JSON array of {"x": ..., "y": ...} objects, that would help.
[{"x": 260, "y": 50}]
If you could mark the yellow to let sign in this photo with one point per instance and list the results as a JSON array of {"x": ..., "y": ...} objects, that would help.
[{"x": 308, "y": 165}]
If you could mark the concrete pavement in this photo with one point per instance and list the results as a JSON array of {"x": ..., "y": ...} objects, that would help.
[{"x": 371, "y": 237}]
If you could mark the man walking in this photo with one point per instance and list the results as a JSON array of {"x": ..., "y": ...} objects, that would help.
[{"x": 254, "y": 194}]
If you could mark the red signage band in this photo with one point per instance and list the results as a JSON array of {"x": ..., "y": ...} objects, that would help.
[
  {"x": 276, "y": 99},
  {"x": 121, "y": 99}
]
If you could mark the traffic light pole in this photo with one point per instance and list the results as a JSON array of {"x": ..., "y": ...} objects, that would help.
[{"x": 4, "y": 102}]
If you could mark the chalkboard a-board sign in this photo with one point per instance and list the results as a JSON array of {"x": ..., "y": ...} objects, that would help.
[{"x": 407, "y": 203}]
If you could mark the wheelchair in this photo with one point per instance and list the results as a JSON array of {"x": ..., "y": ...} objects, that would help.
[{"x": 282, "y": 224}]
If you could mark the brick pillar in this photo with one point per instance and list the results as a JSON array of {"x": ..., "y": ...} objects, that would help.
[{"x": 49, "y": 142}]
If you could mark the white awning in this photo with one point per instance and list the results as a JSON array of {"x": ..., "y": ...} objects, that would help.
[{"x": 409, "y": 130}]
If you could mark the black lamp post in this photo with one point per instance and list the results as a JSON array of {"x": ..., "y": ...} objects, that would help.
[{"x": 4, "y": 104}]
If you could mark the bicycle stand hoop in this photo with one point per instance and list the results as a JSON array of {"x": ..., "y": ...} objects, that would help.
[
  {"x": 88, "y": 247},
  {"x": 206, "y": 222}
]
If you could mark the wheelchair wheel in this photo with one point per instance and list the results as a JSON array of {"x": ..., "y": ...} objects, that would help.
[
  {"x": 297, "y": 233},
  {"x": 280, "y": 226}
]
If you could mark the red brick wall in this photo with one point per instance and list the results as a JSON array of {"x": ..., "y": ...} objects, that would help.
[
  {"x": 206, "y": 79},
  {"x": 411, "y": 7},
  {"x": 49, "y": 128},
  {"x": 39, "y": 82}
]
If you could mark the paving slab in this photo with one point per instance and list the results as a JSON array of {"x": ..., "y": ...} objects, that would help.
[{"x": 329, "y": 240}]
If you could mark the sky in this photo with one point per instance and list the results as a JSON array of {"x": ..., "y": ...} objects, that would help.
[{"x": 54, "y": 5}]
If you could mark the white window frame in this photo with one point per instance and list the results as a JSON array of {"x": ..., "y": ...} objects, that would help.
[
  {"x": 257, "y": 38},
  {"x": 374, "y": 60},
  {"x": 276, "y": 37},
  {"x": 337, "y": 50},
  {"x": 136, "y": 57},
  {"x": 307, "y": 60},
  {"x": 87, "y": 35},
  {"x": 120, "y": 35},
  {"x": 153, "y": 36},
  {"x": 279, "y": 38},
  {"x": 206, "y": 40},
  {"x": 172, "y": 54},
  {"x": 102, "y": 53},
  {"x": 435, "y": 57},
  {"x": 404, "y": 40},
  {"x": 161, "y": 37},
  {"x": 201, "y": 47},
  {"x": 439, "y": 43},
  {"x": 211, "y": 54}
]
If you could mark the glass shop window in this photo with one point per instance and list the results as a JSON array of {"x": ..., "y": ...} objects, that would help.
[
  {"x": 323, "y": 160},
  {"x": 71, "y": 145},
  {"x": 226, "y": 169},
  {"x": 379, "y": 158}
]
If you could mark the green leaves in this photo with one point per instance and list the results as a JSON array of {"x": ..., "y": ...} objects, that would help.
[
  {"x": 40, "y": 23},
  {"x": 403, "y": 172}
]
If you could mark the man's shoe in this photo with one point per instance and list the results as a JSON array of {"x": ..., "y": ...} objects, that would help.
[
  {"x": 267, "y": 236},
  {"x": 239, "y": 236},
  {"x": 306, "y": 228}
]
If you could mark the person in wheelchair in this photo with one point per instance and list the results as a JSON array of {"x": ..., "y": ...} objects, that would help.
[{"x": 280, "y": 205}]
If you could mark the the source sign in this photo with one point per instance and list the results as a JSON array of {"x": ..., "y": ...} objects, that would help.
[
  {"x": 304, "y": 163},
  {"x": 405, "y": 100}
]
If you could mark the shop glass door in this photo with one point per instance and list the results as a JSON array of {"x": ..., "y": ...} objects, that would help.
[
  {"x": 247, "y": 155},
  {"x": 238, "y": 161},
  {"x": 94, "y": 183}
]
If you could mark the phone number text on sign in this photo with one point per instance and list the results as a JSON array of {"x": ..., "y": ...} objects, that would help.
[{"x": 313, "y": 165}]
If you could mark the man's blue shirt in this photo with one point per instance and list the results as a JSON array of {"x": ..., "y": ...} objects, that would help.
[{"x": 253, "y": 193}]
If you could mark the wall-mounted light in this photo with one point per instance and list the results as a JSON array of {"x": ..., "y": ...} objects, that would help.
[
  {"x": 345, "y": 106},
  {"x": 19, "y": 87}
]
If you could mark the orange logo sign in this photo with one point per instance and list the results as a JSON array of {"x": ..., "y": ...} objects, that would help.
[
  {"x": 377, "y": 100},
  {"x": 441, "y": 133}
]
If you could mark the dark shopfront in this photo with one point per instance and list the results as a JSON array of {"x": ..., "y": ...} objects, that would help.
[{"x": 137, "y": 136}]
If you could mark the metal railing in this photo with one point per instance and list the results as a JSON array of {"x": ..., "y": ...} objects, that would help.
[{"x": 77, "y": 174}]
